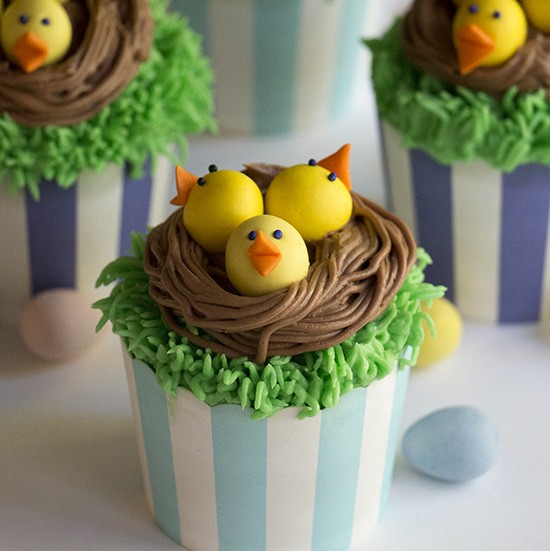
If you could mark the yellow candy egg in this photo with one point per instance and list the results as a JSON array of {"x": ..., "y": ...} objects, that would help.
[
  {"x": 265, "y": 254},
  {"x": 311, "y": 198},
  {"x": 34, "y": 33},
  {"x": 219, "y": 202},
  {"x": 448, "y": 326}
]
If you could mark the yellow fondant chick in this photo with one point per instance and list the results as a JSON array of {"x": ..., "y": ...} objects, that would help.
[
  {"x": 538, "y": 13},
  {"x": 216, "y": 204},
  {"x": 487, "y": 32},
  {"x": 265, "y": 254},
  {"x": 34, "y": 33},
  {"x": 314, "y": 198}
]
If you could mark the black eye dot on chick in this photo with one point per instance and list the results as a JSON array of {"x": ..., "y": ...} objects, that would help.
[
  {"x": 278, "y": 234},
  {"x": 201, "y": 181},
  {"x": 212, "y": 168},
  {"x": 252, "y": 235},
  {"x": 332, "y": 176}
]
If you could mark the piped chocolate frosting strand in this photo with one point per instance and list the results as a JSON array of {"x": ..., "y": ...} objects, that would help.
[
  {"x": 427, "y": 43},
  {"x": 354, "y": 275},
  {"x": 111, "y": 39}
]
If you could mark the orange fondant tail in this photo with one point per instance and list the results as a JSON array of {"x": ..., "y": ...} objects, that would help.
[
  {"x": 338, "y": 163},
  {"x": 185, "y": 181}
]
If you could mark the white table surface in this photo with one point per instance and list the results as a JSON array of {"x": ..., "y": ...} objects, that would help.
[{"x": 69, "y": 472}]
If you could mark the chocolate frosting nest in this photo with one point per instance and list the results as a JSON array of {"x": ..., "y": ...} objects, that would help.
[
  {"x": 354, "y": 275},
  {"x": 427, "y": 43},
  {"x": 110, "y": 40}
]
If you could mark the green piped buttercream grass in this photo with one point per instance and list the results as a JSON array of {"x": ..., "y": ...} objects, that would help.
[
  {"x": 453, "y": 123},
  {"x": 169, "y": 98},
  {"x": 310, "y": 381}
]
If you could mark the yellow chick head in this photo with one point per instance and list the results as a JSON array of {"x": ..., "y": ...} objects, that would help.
[
  {"x": 216, "y": 204},
  {"x": 487, "y": 32},
  {"x": 313, "y": 197},
  {"x": 538, "y": 13},
  {"x": 34, "y": 33},
  {"x": 265, "y": 254}
]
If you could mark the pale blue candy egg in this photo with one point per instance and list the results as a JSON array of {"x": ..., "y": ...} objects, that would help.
[{"x": 454, "y": 444}]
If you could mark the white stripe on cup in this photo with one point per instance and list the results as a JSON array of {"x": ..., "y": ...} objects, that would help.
[
  {"x": 193, "y": 459},
  {"x": 130, "y": 376},
  {"x": 291, "y": 506},
  {"x": 15, "y": 269},
  {"x": 234, "y": 86},
  {"x": 164, "y": 188},
  {"x": 99, "y": 211},
  {"x": 476, "y": 198},
  {"x": 376, "y": 431},
  {"x": 314, "y": 86},
  {"x": 399, "y": 175}
]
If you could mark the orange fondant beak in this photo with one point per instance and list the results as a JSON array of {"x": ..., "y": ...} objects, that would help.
[
  {"x": 185, "y": 181},
  {"x": 339, "y": 164},
  {"x": 263, "y": 254},
  {"x": 30, "y": 52},
  {"x": 473, "y": 45}
]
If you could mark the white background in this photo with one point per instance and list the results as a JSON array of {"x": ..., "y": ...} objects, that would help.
[{"x": 69, "y": 472}]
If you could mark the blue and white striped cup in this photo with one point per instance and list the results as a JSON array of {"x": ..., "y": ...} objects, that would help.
[
  {"x": 281, "y": 65},
  {"x": 66, "y": 237},
  {"x": 488, "y": 232},
  {"x": 217, "y": 480}
]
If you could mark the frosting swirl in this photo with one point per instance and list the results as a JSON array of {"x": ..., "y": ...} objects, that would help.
[
  {"x": 427, "y": 42},
  {"x": 110, "y": 40},
  {"x": 354, "y": 274}
]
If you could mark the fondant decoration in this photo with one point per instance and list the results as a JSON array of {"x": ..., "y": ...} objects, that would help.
[
  {"x": 265, "y": 254},
  {"x": 34, "y": 33},
  {"x": 487, "y": 32},
  {"x": 538, "y": 13},
  {"x": 315, "y": 198},
  {"x": 58, "y": 324},
  {"x": 454, "y": 444},
  {"x": 448, "y": 332},
  {"x": 215, "y": 204}
]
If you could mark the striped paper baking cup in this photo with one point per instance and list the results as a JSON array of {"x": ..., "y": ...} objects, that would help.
[
  {"x": 217, "y": 480},
  {"x": 69, "y": 235},
  {"x": 281, "y": 65},
  {"x": 487, "y": 231}
]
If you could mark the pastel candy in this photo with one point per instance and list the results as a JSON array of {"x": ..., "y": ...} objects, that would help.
[
  {"x": 453, "y": 444},
  {"x": 448, "y": 328},
  {"x": 58, "y": 324}
]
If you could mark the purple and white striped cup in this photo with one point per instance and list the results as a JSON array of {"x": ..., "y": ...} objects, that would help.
[
  {"x": 487, "y": 231},
  {"x": 281, "y": 65},
  {"x": 216, "y": 480},
  {"x": 66, "y": 237}
]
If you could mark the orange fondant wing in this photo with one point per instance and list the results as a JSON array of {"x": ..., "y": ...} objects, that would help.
[
  {"x": 185, "y": 181},
  {"x": 339, "y": 164}
]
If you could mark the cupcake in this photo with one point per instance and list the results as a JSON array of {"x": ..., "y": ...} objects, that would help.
[
  {"x": 281, "y": 66},
  {"x": 272, "y": 399},
  {"x": 466, "y": 124},
  {"x": 88, "y": 136}
]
